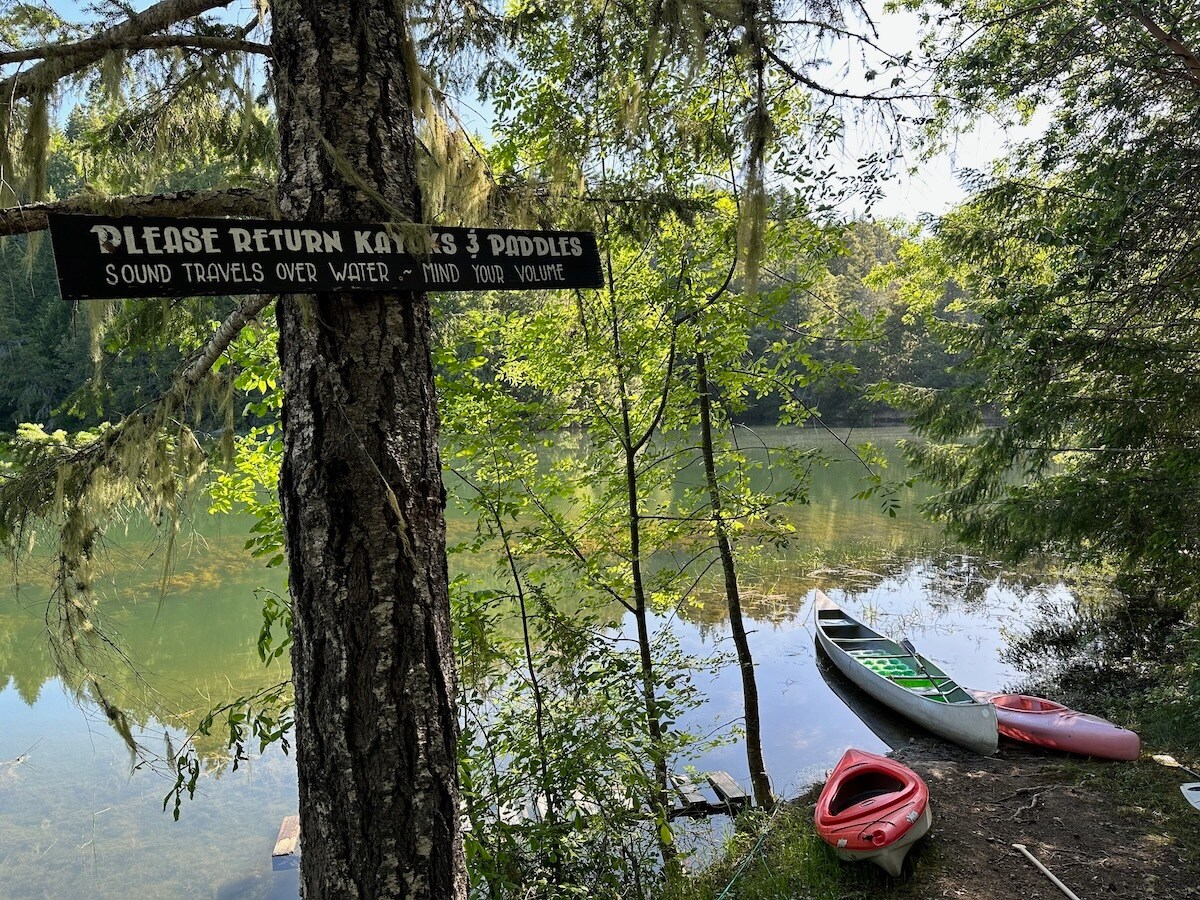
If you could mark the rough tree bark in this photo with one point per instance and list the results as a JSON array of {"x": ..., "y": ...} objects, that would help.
[{"x": 361, "y": 482}]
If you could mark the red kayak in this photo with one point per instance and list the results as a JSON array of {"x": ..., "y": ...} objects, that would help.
[
  {"x": 873, "y": 808},
  {"x": 1049, "y": 724}
]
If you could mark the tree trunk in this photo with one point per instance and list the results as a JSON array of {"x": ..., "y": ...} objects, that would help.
[
  {"x": 361, "y": 486},
  {"x": 641, "y": 611},
  {"x": 641, "y": 615},
  {"x": 754, "y": 754}
]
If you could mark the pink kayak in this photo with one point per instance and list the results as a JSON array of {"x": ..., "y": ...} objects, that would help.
[{"x": 1049, "y": 724}]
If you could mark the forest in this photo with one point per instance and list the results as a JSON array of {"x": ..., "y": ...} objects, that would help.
[{"x": 481, "y": 522}]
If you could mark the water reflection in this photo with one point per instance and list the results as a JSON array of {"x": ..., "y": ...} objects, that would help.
[
  {"x": 892, "y": 729},
  {"x": 193, "y": 645},
  {"x": 957, "y": 608},
  {"x": 74, "y": 820}
]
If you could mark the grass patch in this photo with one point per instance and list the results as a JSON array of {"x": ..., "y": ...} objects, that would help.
[{"x": 778, "y": 855}]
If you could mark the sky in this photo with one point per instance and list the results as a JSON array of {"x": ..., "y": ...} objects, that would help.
[{"x": 935, "y": 186}]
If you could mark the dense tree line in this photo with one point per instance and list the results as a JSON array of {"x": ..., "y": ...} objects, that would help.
[
  {"x": 1077, "y": 260},
  {"x": 54, "y": 372}
]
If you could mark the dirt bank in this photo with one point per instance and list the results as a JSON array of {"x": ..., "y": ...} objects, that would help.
[{"x": 1105, "y": 829}]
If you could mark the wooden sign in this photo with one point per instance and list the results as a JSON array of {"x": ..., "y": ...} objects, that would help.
[{"x": 102, "y": 257}]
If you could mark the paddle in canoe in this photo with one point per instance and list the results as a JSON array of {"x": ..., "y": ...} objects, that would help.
[{"x": 905, "y": 681}]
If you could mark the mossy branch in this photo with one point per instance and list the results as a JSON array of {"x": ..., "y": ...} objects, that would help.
[
  {"x": 248, "y": 202},
  {"x": 44, "y": 76},
  {"x": 217, "y": 43},
  {"x": 151, "y": 461}
]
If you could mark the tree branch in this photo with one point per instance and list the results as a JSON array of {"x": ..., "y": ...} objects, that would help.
[
  {"x": 142, "y": 42},
  {"x": 834, "y": 29},
  {"x": 793, "y": 73},
  {"x": 1177, "y": 47},
  {"x": 249, "y": 202},
  {"x": 42, "y": 76},
  {"x": 200, "y": 364}
]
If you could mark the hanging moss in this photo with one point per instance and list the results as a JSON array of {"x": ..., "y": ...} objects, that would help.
[
  {"x": 35, "y": 149},
  {"x": 76, "y": 487},
  {"x": 456, "y": 184},
  {"x": 8, "y": 169},
  {"x": 112, "y": 74}
]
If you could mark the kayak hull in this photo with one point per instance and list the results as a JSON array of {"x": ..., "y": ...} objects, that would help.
[
  {"x": 891, "y": 860},
  {"x": 873, "y": 809},
  {"x": 1044, "y": 723},
  {"x": 910, "y": 684}
]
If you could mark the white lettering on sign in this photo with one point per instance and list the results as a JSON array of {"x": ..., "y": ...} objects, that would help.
[
  {"x": 296, "y": 271},
  {"x": 139, "y": 273},
  {"x": 108, "y": 237},
  {"x": 156, "y": 241},
  {"x": 522, "y": 245},
  {"x": 440, "y": 273},
  {"x": 530, "y": 274},
  {"x": 489, "y": 274},
  {"x": 244, "y": 273},
  {"x": 135, "y": 257},
  {"x": 375, "y": 242},
  {"x": 368, "y": 242},
  {"x": 375, "y": 273},
  {"x": 266, "y": 240}
]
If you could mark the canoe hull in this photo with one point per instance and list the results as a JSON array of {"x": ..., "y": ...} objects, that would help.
[
  {"x": 1044, "y": 723},
  {"x": 969, "y": 724},
  {"x": 873, "y": 809}
]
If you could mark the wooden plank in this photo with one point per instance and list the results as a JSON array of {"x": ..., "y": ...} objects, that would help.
[
  {"x": 727, "y": 789},
  {"x": 289, "y": 837},
  {"x": 689, "y": 794}
]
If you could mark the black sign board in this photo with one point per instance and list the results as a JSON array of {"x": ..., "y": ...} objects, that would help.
[{"x": 102, "y": 257}]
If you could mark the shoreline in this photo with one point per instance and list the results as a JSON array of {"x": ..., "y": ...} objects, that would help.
[{"x": 1105, "y": 828}]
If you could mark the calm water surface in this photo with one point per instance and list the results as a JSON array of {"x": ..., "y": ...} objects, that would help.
[{"x": 77, "y": 821}]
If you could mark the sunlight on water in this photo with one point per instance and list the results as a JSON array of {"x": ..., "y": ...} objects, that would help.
[{"x": 76, "y": 820}]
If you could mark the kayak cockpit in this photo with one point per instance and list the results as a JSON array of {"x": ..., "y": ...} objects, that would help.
[
  {"x": 1026, "y": 704},
  {"x": 863, "y": 787}
]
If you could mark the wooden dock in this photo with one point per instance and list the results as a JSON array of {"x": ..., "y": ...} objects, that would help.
[
  {"x": 692, "y": 802},
  {"x": 728, "y": 790},
  {"x": 287, "y": 845},
  {"x": 731, "y": 799}
]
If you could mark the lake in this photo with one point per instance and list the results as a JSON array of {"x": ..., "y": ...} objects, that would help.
[{"x": 76, "y": 820}]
